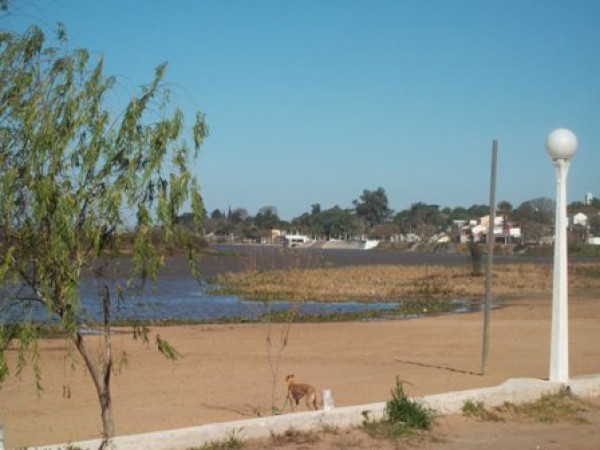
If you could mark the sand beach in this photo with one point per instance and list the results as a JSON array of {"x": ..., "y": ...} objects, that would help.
[{"x": 225, "y": 371}]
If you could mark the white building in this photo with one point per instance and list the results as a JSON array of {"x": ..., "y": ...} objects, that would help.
[
  {"x": 580, "y": 219},
  {"x": 297, "y": 240},
  {"x": 503, "y": 232}
]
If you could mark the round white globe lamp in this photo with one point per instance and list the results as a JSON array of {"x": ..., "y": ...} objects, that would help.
[{"x": 561, "y": 144}]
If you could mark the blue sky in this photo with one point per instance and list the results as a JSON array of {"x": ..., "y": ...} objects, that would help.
[{"x": 314, "y": 101}]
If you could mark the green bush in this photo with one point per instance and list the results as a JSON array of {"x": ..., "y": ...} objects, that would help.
[
  {"x": 401, "y": 416},
  {"x": 409, "y": 413}
]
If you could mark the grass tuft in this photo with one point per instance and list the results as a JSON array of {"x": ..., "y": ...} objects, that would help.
[
  {"x": 551, "y": 408},
  {"x": 232, "y": 442},
  {"x": 480, "y": 412},
  {"x": 402, "y": 416},
  {"x": 562, "y": 406}
]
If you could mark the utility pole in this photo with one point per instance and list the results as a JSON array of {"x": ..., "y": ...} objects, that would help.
[{"x": 490, "y": 262}]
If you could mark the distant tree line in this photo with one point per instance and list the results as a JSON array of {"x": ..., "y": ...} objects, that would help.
[{"x": 370, "y": 216}]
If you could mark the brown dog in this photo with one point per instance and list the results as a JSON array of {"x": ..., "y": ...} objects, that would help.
[{"x": 296, "y": 391}]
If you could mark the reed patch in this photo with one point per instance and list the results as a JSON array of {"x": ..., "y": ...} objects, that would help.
[{"x": 398, "y": 282}]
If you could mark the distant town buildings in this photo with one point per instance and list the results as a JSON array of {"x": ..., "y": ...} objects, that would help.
[
  {"x": 423, "y": 226},
  {"x": 504, "y": 231}
]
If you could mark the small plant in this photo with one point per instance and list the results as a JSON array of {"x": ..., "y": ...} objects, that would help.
[
  {"x": 479, "y": 411},
  {"x": 275, "y": 344},
  {"x": 402, "y": 410},
  {"x": 232, "y": 442},
  {"x": 401, "y": 416},
  {"x": 472, "y": 409}
]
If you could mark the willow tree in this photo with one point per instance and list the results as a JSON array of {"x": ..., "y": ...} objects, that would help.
[{"x": 71, "y": 174}]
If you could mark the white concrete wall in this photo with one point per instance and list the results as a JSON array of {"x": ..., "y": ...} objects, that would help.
[{"x": 515, "y": 391}]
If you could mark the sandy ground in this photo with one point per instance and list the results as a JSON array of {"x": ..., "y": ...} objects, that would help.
[{"x": 225, "y": 373}]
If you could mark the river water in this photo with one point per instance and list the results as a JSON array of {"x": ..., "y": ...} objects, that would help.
[
  {"x": 182, "y": 299},
  {"x": 179, "y": 297},
  {"x": 186, "y": 299}
]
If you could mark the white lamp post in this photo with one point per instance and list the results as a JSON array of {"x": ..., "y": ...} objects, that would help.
[{"x": 561, "y": 145}]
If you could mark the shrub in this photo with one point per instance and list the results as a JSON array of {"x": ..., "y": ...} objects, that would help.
[
  {"x": 410, "y": 413},
  {"x": 401, "y": 416}
]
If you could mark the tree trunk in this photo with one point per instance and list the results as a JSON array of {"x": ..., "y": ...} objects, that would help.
[
  {"x": 100, "y": 372},
  {"x": 108, "y": 421}
]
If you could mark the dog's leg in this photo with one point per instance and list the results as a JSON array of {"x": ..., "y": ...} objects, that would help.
[{"x": 311, "y": 402}]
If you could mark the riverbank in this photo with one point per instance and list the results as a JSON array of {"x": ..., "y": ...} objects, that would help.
[{"x": 224, "y": 372}]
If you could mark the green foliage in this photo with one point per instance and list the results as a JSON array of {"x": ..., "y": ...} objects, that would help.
[
  {"x": 479, "y": 411},
  {"x": 372, "y": 207},
  {"x": 26, "y": 334},
  {"x": 331, "y": 223},
  {"x": 400, "y": 417},
  {"x": 410, "y": 413},
  {"x": 470, "y": 408},
  {"x": 70, "y": 172},
  {"x": 422, "y": 219},
  {"x": 232, "y": 442},
  {"x": 166, "y": 349}
]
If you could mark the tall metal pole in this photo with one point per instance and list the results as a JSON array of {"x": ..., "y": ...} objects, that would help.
[
  {"x": 490, "y": 263},
  {"x": 561, "y": 145},
  {"x": 559, "y": 343}
]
